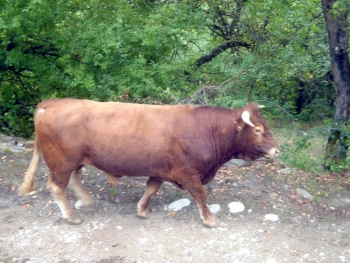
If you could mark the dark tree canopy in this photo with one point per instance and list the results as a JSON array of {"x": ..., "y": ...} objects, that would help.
[{"x": 162, "y": 52}]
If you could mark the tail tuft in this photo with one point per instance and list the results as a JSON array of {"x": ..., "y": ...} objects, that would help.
[{"x": 29, "y": 180}]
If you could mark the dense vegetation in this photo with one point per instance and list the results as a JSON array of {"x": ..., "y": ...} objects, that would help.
[{"x": 219, "y": 52}]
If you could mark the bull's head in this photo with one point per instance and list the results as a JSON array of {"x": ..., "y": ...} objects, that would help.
[{"x": 254, "y": 138}]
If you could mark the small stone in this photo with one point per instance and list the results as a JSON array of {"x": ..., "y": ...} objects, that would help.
[
  {"x": 236, "y": 207},
  {"x": 271, "y": 217},
  {"x": 342, "y": 258},
  {"x": 214, "y": 208},
  {"x": 287, "y": 170},
  {"x": 78, "y": 204},
  {"x": 304, "y": 194},
  {"x": 179, "y": 204},
  {"x": 271, "y": 260},
  {"x": 341, "y": 203},
  {"x": 237, "y": 162}
]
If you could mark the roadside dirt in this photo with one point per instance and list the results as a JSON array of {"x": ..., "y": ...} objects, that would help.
[{"x": 31, "y": 229}]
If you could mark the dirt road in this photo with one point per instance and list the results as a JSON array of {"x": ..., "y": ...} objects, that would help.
[{"x": 31, "y": 229}]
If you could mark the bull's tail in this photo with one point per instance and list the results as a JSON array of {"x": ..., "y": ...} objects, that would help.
[{"x": 29, "y": 179}]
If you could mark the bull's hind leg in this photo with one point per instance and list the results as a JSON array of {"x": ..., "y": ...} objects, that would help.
[
  {"x": 112, "y": 179},
  {"x": 85, "y": 201},
  {"x": 152, "y": 187},
  {"x": 197, "y": 191},
  {"x": 59, "y": 194}
]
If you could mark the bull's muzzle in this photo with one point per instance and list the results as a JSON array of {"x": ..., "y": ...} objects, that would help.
[{"x": 272, "y": 153}]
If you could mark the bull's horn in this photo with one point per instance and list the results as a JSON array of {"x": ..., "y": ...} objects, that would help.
[
  {"x": 246, "y": 118},
  {"x": 261, "y": 106}
]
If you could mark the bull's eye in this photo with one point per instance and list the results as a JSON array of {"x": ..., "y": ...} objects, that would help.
[{"x": 258, "y": 130}]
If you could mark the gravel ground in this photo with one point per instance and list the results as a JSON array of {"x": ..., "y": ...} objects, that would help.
[{"x": 31, "y": 229}]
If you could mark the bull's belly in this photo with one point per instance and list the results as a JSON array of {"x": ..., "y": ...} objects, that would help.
[{"x": 130, "y": 168}]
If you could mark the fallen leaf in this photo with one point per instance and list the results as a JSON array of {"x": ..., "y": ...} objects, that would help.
[{"x": 172, "y": 213}]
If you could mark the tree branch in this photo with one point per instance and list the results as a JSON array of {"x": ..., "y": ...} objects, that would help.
[{"x": 218, "y": 50}]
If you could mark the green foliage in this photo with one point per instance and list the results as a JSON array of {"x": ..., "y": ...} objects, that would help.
[
  {"x": 148, "y": 51},
  {"x": 305, "y": 150},
  {"x": 318, "y": 109},
  {"x": 298, "y": 152}
]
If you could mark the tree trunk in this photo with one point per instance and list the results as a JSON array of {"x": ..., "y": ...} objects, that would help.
[{"x": 338, "y": 38}]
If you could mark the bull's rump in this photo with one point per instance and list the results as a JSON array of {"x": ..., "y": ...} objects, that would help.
[{"x": 119, "y": 138}]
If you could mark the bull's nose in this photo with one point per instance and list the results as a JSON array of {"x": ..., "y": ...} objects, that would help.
[{"x": 273, "y": 152}]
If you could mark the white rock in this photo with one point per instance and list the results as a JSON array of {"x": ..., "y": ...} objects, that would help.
[
  {"x": 179, "y": 204},
  {"x": 78, "y": 204},
  {"x": 306, "y": 256},
  {"x": 71, "y": 238},
  {"x": 271, "y": 217},
  {"x": 236, "y": 207},
  {"x": 271, "y": 260},
  {"x": 214, "y": 208},
  {"x": 342, "y": 258}
]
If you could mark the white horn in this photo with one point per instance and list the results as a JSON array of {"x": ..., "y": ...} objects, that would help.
[
  {"x": 246, "y": 118},
  {"x": 261, "y": 106}
]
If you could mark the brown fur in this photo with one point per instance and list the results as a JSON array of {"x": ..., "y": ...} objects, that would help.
[{"x": 184, "y": 145}]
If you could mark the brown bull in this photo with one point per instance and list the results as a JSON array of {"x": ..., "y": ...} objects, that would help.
[{"x": 183, "y": 145}]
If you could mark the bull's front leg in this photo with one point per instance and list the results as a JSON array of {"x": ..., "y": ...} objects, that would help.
[
  {"x": 152, "y": 187},
  {"x": 197, "y": 191}
]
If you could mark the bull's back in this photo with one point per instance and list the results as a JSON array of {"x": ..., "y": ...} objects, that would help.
[{"x": 120, "y": 138}]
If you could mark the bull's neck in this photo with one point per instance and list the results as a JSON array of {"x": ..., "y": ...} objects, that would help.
[{"x": 222, "y": 133}]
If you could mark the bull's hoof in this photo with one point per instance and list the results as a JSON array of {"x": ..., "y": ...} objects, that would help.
[
  {"x": 74, "y": 219},
  {"x": 211, "y": 224},
  {"x": 143, "y": 215}
]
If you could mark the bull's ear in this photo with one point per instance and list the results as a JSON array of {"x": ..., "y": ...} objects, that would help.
[{"x": 246, "y": 118}]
